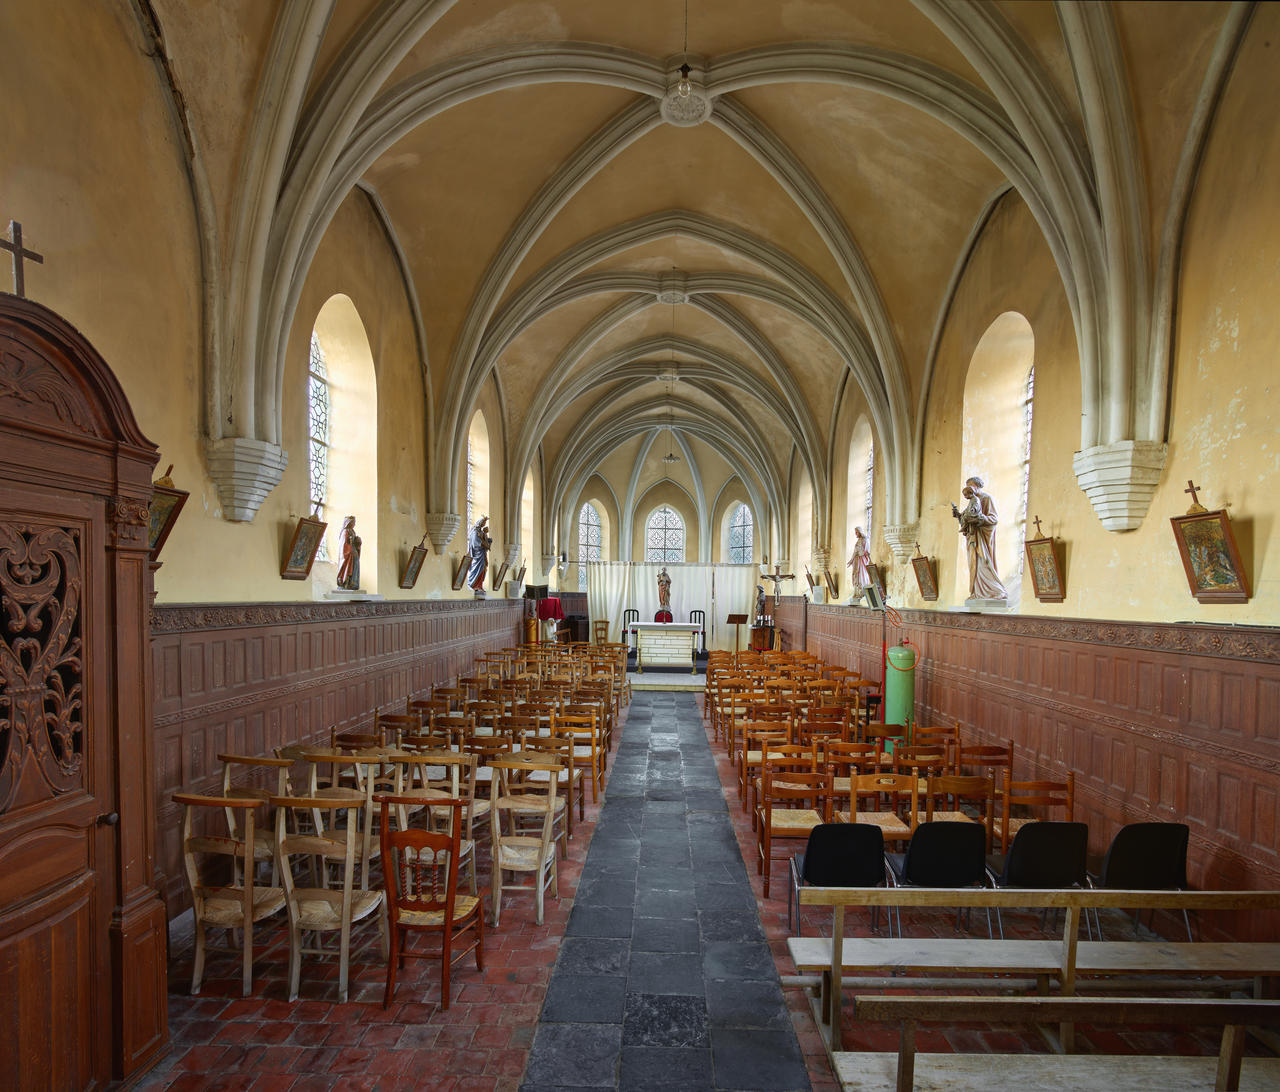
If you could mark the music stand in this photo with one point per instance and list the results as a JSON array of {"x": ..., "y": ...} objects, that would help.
[{"x": 735, "y": 620}]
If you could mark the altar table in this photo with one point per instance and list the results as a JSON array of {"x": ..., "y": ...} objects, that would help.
[{"x": 666, "y": 643}]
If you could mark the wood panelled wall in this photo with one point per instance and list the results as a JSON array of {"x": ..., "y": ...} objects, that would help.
[
  {"x": 249, "y": 678},
  {"x": 1160, "y": 722}
]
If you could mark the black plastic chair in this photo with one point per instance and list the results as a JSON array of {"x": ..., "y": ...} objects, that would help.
[
  {"x": 943, "y": 854},
  {"x": 839, "y": 855},
  {"x": 1043, "y": 855},
  {"x": 1146, "y": 857},
  {"x": 628, "y": 616},
  {"x": 699, "y": 617}
]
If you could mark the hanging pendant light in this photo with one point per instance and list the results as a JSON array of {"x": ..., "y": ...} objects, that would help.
[{"x": 684, "y": 88}]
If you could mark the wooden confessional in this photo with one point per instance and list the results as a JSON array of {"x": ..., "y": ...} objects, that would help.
[{"x": 82, "y": 930}]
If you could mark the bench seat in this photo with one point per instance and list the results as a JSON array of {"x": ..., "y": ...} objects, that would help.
[
  {"x": 877, "y": 1072},
  {"x": 1036, "y": 957}
]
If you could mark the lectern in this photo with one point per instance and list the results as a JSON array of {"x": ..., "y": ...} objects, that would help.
[{"x": 736, "y": 620}]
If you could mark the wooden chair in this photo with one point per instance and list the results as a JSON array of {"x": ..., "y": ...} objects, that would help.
[
  {"x": 953, "y": 791},
  {"x": 791, "y": 804},
  {"x": 586, "y": 730},
  {"x": 793, "y": 757},
  {"x": 992, "y": 758},
  {"x": 758, "y": 740},
  {"x": 455, "y": 780},
  {"x": 216, "y": 903},
  {"x": 393, "y": 727},
  {"x": 889, "y": 737},
  {"x": 600, "y": 630},
  {"x": 420, "y": 879},
  {"x": 558, "y": 747},
  {"x": 347, "y": 771},
  {"x": 886, "y": 791},
  {"x": 845, "y": 761},
  {"x": 1024, "y": 795},
  {"x": 945, "y": 740},
  {"x": 254, "y": 765},
  {"x": 321, "y": 908},
  {"x": 514, "y": 801}
]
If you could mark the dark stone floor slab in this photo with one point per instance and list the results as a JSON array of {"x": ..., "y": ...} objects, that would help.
[{"x": 664, "y": 979}]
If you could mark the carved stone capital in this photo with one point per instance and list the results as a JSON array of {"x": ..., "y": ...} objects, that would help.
[
  {"x": 901, "y": 538},
  {"x": 442, "y": 526},
  {"x": 548, "y": 563},
  {"x": 820, "y": 560},
  {"x": 1120, "y": 479},
  {"x": 244, "y": 471},
  {"x": 511, "y": 553}
]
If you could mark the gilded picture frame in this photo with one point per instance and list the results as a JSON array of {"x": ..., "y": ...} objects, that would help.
[
  {"x": 498, "y": 574},
  {"x": 926, "y": 570},
  {"x": 413, "y": 565},
  {"x": 166, "y": 503},
  {"x": 833, "y": 583},
  {"x": 303, "y": 546},
  {"x": 1210, "y": 557},
  {"x": 1046, "y": 573}
]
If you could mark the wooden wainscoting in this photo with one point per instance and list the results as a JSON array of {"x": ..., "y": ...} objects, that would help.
[
  {"x": 1160, "y": 722},
  {"x": 247, "y": 678}
]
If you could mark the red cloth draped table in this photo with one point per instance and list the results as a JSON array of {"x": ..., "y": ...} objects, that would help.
[{"x": 549, "y": 609}]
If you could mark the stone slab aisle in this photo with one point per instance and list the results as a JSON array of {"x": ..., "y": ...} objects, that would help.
[{"x": 664, "y": 978}]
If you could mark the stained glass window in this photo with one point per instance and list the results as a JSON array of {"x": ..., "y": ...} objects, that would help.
[
  {"x": 471, "y": 484},
  {"x": 318, "y": 432},
  {"x": 664, "y": 536},
  {"x": 741, "y": 536},
  {"x": 871, "y": 484},
  {"x": 588, "y": 540},
  {"x": 1028, "y": 397}
]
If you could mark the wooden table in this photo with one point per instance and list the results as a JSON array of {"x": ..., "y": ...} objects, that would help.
[{"x": 666, "y": 643}]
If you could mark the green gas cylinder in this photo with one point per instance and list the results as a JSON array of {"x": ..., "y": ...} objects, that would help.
[{"x": 900, "y": 684}]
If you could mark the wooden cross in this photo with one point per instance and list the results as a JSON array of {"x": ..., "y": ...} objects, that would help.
[
  {"x": 918, "y": 553},
  {"x": 777, "y": 576},
  {"x": 1192, "y": 489},
  {"x": 1037, "y": 523},
  {"x": 14, "y": 245}
]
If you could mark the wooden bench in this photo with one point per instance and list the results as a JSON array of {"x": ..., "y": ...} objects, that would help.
[
  {"x": 1020, "y": 964},
  {"x": 885, "y": 1072}
]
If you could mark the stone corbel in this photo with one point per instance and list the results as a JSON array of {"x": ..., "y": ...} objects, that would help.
[
  {"x": 1120, "y": 479},
  {"x": 244, "y": 471},
  {"x": 442, "y": 526},
  {"x": 510, "y": 554},
  {"x": 902, "y": 538},
  {"x": 548, "y": 563}
]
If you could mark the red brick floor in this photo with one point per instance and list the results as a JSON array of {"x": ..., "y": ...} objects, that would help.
[{"x": 223, "y": 1041}]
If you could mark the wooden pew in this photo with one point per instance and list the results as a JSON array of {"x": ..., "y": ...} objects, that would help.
[
  {"x": 906, "y": 1070},
  {"x": 974, "y": 964}
]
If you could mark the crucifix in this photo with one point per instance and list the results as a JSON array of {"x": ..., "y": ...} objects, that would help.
[
  {"x": 1192, "y": 488},
  {"x": 1036, "y": 521},
  {"x": 14, "y": 245},
  {"x": 777, "y": 576}
]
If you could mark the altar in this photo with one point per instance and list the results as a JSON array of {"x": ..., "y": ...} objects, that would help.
[{"x": 666, "y": 644}]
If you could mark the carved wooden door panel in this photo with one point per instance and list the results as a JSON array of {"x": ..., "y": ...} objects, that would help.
[{"x": 56, "y": 777}]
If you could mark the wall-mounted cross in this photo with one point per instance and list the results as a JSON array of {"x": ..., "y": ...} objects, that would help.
[
  {"x": 14, "y": 245},
  {"x": 1036, "y": 521},
  {"x": 1192, "y": 488},
  {"x": 918, "y": 553},
  {"x": 777, "y": 576}
]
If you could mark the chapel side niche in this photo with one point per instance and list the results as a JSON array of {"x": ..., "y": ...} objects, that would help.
[{"x": 996, "y": 443}]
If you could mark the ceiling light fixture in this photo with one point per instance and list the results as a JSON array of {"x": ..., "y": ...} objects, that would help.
[{"x": 684, "y": 88}]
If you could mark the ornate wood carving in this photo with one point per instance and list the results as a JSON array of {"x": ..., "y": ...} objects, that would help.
[
  {"x": 33, "y": 389},
  {"x": 41, "y": 727}
]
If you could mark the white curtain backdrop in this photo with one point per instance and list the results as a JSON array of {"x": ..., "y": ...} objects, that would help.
[{"x": 719, "y": 590}]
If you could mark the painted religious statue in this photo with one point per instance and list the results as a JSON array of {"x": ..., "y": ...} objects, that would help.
[
  {"x": 349, "y": 569},
  {"x": 478, "y": 544},
  {"x": 860, "y": 562},
  {"x": 762, "y": 608},
  {"x": 664, "y": 590},
  {"x": 978, "y": 525}
]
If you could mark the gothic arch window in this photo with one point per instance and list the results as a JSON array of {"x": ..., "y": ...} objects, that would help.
[
  {"x": 999, "y": 393},
  {"x": 342, "y": 434},
  {"x": 664, "y": 536},
  {"x": 860, "y": 503},
  {"x": 589, "y": 540},
  {"x": 477, "y": 481},
  {"x": 741, "y": 536},
  {"x": 318, "y": 406}
]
